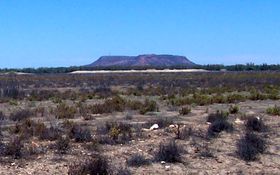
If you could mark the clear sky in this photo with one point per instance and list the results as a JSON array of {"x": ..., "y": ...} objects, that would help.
[{"x": 36, "y": 33}]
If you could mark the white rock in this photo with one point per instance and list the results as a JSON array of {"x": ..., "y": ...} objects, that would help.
[
  {"x": 167, "y": 168},
  {"x": 155, "y": 126},
  {"x": 162, "y": 162},
  {"x": 171, "y": 126},
  {"x": 238, "y": 121}
]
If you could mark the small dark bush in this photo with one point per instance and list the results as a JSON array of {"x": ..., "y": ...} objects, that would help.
[
  {"x": 219, "y": 115},
  {"x": 97, "y": 165},
  {"x": 169, "y": 152},
  {"x": 11, "y": 90},
  {"x": 233, "y": 109},
  {"x": 2, "y": 116},
  {"x": 51, "y": 133},
  {"x": 81, "y": 134},
  {"x": 185, "y": 133},
  {"x": 20, "y": 115},
  {"x": 250, "y": 146},
  {"x": 62, "y": 144},
  {"x": 137, "y": 160},
  {"x": 185, "y": 111},
  {"x": 255, "y": 124},
  {"x": 206, "y": 152},
  {"x": 14, "y": 147},
  {"x": 123, "y": 171},
  {"x": 218, "y": 126}
]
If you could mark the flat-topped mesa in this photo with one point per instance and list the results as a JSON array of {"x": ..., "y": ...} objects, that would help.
[{"x": 150, "y": 60}]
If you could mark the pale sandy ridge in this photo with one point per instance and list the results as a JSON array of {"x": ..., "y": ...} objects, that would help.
[{"x": 139, "y": 71}]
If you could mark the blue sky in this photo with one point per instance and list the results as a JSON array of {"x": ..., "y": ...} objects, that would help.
[{"x": 35, "y": 33}]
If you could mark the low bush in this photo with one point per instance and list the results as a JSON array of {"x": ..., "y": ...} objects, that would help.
[
  {"x": 219, "y": 115},
  {"x": 2, "y": 116},
  {"x": 185, "y": 133},
  {"x": 64, "y": 111},
  {"x": 21, "y": 115},
  {"x": 114, "y": 133},
  {"x": 185, "y": 110},
  {"x": 14, "y": 148},
  {"x": 137, "y": 160},
  {"x": 81, "y": 134},
  {"x": 51, "y": 133},
  {"x": 250, "y": 146},
  {"x": 273, "y": 110},
  {"x": 148, "y": 106},
  {"x": 97, "y": 165},
  {"x": 169, "y": 152},
  {"x": 62, "y": 144},
  {"x": 110, "y": 105},
  {"x": 233, "y": 109},
  {"x": 123, "y": 171},
  {"x": 255, "y": 124},
  {"x": 206, "y": 152},
  {"x": 218, "y": 126},
  {"x": 161, "y": 121}
]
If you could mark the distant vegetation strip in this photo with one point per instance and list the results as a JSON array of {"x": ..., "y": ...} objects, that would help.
[{"x": 210, "y": 67}]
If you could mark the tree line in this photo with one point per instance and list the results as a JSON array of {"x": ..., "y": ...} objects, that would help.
[{"x": 210, "y": 67}]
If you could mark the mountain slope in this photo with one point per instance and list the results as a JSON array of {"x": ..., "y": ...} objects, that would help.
[{"x": 151, "y": 60}]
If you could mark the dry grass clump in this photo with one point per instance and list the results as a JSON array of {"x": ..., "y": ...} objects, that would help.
[
  {"x": 169, "y": 152},
  {"x": 137, "y": 160},
  {"x": 273, "y": 110},
  {"x": 185, "y": 110},
  {"x": 21, "y": 115},
  {"x": 97, "y": 165},
  {"x": 64, "y": 111}
]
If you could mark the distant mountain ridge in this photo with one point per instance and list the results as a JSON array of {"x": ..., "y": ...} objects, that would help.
[{"x": 149, "y": 60}]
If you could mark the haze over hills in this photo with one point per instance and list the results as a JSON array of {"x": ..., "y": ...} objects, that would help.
[{"x": 150, "y": 60}]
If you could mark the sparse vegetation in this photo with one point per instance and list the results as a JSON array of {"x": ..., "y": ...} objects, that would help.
[
  {"x": 169, "y": 152},
  {"x": 273, "y": 110},
  {"x": 233, "y": 109},
  {"x": 62, "y": 144},
  {"x": 94, "y": 166},
  {"x": 255, "y": 124},
  {"x": 185, "y": 110},
  {"x": 65, "y": 118},
  {"x": 250, "y": 146},
  {"x": 137, "y": 160}
]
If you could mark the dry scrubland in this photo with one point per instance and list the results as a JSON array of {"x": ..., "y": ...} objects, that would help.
[{"x": 207, "y": 123}]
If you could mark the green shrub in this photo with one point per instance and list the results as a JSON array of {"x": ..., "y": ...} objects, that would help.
[
  {"x": 233, "y": 109},
  {"x": 273, "y": 110},
  {"x": 148, "y": 106}
]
